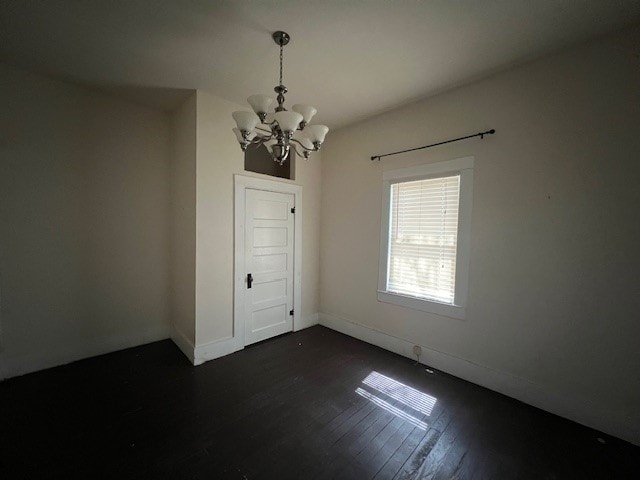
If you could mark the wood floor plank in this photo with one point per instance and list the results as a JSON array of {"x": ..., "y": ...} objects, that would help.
[
  {"x": 394, "y": 464},
  {"x": 297, "y": 406},
  {"x": 376, "y": 459},
  {"x": 418, "y": 455}
]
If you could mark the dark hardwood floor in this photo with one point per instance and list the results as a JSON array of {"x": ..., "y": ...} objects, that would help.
[{"x": 313, "y": 404}]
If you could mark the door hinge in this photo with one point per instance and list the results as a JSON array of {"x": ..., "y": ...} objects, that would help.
[
  {"x": 291, "y": 312},
  {"x": 293, "y": 210}
]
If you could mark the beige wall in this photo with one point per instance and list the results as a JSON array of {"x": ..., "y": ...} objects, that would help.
[
  {"x": 117, "y": 220},
  {"x": 83, "y": 223},
  {"x": 553, "y": 294},
  {"x": 218, "y": 158},
  {"x": 183, "y": 222}
]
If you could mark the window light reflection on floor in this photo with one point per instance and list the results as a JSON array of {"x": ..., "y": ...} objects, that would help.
[
  {"x": 412, "y": 398},
  {"x": 390, "y": 408}
]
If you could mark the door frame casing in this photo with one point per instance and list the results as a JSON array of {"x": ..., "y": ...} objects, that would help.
[{"x": 241, "y": 184}]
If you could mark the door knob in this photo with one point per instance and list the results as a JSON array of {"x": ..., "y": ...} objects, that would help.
[{"x": 249, "y": 280}]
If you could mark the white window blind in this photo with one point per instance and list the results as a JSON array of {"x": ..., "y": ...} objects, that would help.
[{"x": 423, "y": 233}]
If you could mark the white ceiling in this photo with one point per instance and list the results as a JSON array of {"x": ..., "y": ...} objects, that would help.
[{"x": 350, "y": 58}]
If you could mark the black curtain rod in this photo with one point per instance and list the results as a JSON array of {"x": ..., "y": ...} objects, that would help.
[{"x": 481, "y": 135}]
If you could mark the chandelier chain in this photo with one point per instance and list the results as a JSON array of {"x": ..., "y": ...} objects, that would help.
[{"x": 281, "y": 64}]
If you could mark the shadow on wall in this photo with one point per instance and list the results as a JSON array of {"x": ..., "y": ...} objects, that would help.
[{"x": 257, "y": 159}]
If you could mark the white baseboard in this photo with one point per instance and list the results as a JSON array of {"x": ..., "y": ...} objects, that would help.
[
  {"x": 183, "y": 343},
  {"x": 225, "y": 346},
  {"x": 306, "y": 322},
  {"x": 577, "y": 410},
  {"x": 41, "y": 360},
  {"x": 216, "y": 349}
]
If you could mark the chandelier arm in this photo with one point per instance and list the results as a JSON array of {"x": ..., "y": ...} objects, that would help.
[
  {"x": 264, "y": 130},
  {"x": 308, "y": 149},
  {"x": 304, "y": 153},
  {"x": 295, "y": 149}
]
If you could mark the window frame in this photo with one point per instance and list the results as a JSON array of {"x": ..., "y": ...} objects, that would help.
[{"x": 464, "y": 168}]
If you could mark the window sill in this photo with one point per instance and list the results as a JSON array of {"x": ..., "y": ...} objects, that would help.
[{"x": 443, "y": 309}]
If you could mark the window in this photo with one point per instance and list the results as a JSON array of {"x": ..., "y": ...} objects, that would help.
[{"x": 424, "y": 257}]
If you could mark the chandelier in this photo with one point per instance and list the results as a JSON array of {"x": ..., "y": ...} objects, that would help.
[{"x": 280, "y": 130}]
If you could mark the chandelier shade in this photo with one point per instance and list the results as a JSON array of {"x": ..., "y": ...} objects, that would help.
[
  {"x": 288, "y": 121},
  {"x": 246, "y": 121},
  {"x": 316, "y": 133},
  {"x": 279, "y": 130},
  {"x": 307, "y": 111},
  {"x": 260, "y": 103}
]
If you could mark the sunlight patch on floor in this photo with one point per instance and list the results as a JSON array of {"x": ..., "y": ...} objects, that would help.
[
  {"x": 390, "y": 408},
  {"x": 410, "y": 397}
]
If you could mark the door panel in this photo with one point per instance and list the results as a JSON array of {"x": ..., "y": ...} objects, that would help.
[
  {"x": 269, "y": 263},
  {"x": 271, "y": 210},
  {"x": 267, "y": 291},
  {"x": 267, "y": 318},
  {"x": 269, "y": 235}
]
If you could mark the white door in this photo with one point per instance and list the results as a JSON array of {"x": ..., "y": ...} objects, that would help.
[{"x": 268, "y": 253}]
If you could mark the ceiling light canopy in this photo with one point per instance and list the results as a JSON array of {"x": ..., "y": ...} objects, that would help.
[{"x": 279, "y": 130}]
